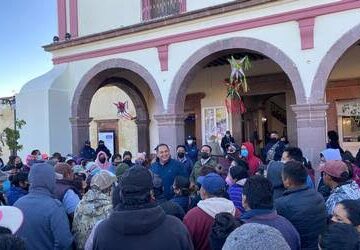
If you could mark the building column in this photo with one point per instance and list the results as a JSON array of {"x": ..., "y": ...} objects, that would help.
[
  {"x": 80, "y": 132},
  {"x": 311, "y": 130},
  {"x": 171, "y": 130},
  {"x": 143, "y": 135}
]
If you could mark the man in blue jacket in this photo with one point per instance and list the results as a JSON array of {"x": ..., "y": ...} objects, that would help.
[
  {"x": 45, "y": 225},
  {"x": 167, "y": 169}
]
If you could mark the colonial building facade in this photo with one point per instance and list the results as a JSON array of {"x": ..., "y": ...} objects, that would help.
[{"x": 169, "y": 57}]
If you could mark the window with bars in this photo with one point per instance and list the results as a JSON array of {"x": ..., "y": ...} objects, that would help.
[{"x": 153, "y": 9}]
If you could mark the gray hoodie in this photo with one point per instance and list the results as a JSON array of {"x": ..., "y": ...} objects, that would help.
[{"x": 45, "y": 225}]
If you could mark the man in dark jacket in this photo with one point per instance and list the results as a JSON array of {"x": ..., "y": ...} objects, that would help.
[
  {"x": 45, "y": 223},
  {"x": 274, "y": 148},
  {"x": 87, "y": 152},
  {"x": 258, "y": 203},
  {"x": 137, "y": 222},
  {"x": 226, "y": 140},
  {"x": 184, "y": 159},
  {"x": 167, "y": 169},
  {"x": 103, "y": 148},
  {"x": 303, "y": 207}
]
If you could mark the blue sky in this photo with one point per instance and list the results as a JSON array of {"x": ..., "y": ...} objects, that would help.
[{"x": 25, "y": 26}]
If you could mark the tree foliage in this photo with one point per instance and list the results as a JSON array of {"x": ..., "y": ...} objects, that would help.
[{"x": 12, "y": 136}]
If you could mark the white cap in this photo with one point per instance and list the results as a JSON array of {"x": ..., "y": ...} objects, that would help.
[{"x": 11, "y": 218}]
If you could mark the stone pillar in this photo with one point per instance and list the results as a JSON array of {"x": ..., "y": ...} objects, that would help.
[
  {"x": 311, "y": 129},
  {"x": 80, "y": 132},
  {"x": 143, "y": 135},
  {"x": 171, "y": 130}
]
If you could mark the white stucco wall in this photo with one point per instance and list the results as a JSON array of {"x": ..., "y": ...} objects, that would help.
[
  {"x": 98, "y": 16},
  {"x": 306, "y": 61}
]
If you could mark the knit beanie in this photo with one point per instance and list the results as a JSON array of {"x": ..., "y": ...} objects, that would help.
[{"x": 255, "y": 236}]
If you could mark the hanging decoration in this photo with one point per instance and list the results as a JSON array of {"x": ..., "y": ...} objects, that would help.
[
  {"x": 237, "y": 85},
  {"x": 122, "y": 112}
]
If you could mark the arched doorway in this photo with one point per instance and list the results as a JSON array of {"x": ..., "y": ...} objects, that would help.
[
  {"x": 133, "y": 79},
  {"x": 282, "y": 79},
  {"x": 337, "y": 83}
]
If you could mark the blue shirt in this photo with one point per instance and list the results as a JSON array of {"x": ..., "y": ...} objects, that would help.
[{"x": 167, "y": 173}]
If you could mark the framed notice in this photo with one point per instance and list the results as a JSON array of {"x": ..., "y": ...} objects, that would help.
[{"x": 109, "y": 139}]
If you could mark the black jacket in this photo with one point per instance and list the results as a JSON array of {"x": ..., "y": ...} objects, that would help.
[
  {"x": 225, "y": 141},
  {"x": 148, "y": 228},
  {"x": 88, "y": 153},
  {"x": 305, "y": 209}
]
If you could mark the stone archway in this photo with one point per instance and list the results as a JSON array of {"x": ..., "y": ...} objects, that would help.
[
  {"x": 187, "y": 71},
  {"x": 328, "y": 62},
  {"x": 133, "y": 79}
]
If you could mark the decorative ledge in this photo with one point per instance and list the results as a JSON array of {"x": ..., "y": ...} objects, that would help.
[{"x": 306, "y": 27}]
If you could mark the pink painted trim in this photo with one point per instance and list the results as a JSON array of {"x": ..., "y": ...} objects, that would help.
[
  {"x": 306, "y": 27},
  {"x": 145, "y": 10},
  {"x": 182, "y": 6},
  {"x": 74, "y": 18},
  {"x": 61, "y": 10},
  {"x": 295, "y": 15},
  {"x": 163, "y": 52}
]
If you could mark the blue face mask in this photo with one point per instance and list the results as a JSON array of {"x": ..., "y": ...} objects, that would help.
[
  {"x": 244, "y": 153},
  {"x": 6, "y": 186}
]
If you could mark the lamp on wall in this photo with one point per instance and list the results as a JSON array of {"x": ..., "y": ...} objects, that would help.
[
  {"x": 263, "y": 119},
  {"x": 67, "y": 36},
  {"x": 56, "y": 39}
]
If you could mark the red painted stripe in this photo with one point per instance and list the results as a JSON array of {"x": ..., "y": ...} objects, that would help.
[
  {"x": 295, "y": 15},
  {"x": 74, "y": 18},
  {"x": 61, "y": 9}
]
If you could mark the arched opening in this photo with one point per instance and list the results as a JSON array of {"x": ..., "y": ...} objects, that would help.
[
  {"x": 342, "y": 93},
  {"x": 274, "y": 85},
  {"x": 134, "y": 81},
  {"x": 337, "y": 82}
]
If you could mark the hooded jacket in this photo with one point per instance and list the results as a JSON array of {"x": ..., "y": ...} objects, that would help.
[
  {"x": 45, "y": 223},
  {"x": 252, "y": 160},
  {"x": 274, "y": 170},
  {"x": 94, "y": 206},
  {"x": 200, "y": 219},
  {"x": 106, "y": 165},
  {"x": 147, "y": 228}
]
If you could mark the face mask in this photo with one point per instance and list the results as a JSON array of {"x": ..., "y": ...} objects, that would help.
[
  {"x": 39, "y": 157},
  {"x": 227, "y": 135},
  {"x": 190, "y": 142},
  {"x": 205, "y": 155},
  {"x": 102, "y": 160},
  {"x": 6, "y": 186},
  {"x": 127, "y": 161},
  {"x": 181, "y": 155},
  {"x": 244, "y": 153},
  {"x": 139, "y": 161},
  {"x": 229, "y": 181},
  {"x": 283, "y": 161}
]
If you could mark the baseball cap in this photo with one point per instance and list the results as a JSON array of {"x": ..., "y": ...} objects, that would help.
[
  {"x": 103, "y": 180},
  {"x": 212, "y": 183},
  {"x": 11, "y": 218},
  {"x": 334, "y": 168}
]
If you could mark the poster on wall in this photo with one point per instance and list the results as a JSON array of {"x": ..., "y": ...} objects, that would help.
[
  {"x": 109, "y": 139},
  {"x": 215, "y": 123}
]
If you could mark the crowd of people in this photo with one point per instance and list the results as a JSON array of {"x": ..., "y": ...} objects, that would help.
[{"x": 191, "y": 200}]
